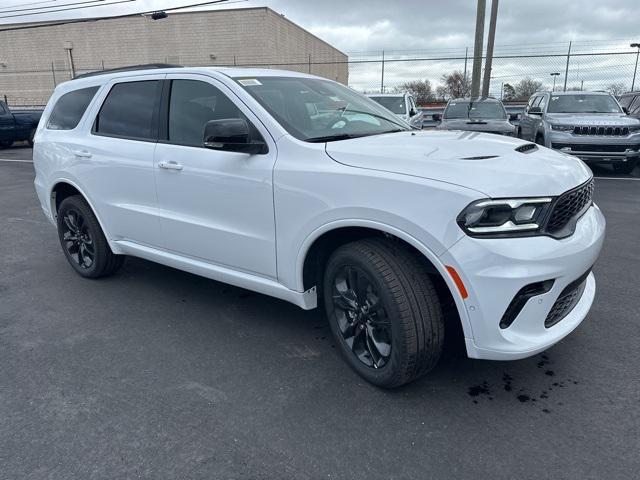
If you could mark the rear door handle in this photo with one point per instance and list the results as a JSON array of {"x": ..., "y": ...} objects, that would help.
[
  {"x": 82, "y": 154},
  {"x": 170, "y": 165}
]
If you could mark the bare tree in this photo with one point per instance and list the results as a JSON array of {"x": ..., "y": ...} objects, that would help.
[
  {"x": 508, "y": 92},
  {"x": 454, "y": 85},
  {"x": 420, "y": 89},
  {"x": 616, "y": 89},
  {"x": 527, "y": 87}
]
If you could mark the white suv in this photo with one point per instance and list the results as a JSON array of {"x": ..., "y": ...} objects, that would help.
[{"x": 300, "y": 188}]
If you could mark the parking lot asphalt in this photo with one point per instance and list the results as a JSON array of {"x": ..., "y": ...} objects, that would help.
[{"x": 156, "y": 373}]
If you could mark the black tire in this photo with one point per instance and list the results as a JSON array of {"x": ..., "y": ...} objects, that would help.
[
  {"x": 6, "y": 143},
  {"x": 519, "y": 134},
  {"x": 30, "y": 139},
  {"x": 540, "y": 139},
  {"x": 626, "y": 167},
  {"x": 404, "y": 296},
  {"x": 83, "y": 242}
]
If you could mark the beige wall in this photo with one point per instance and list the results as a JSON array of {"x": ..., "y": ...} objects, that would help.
[{"x": 253, "y": 36}]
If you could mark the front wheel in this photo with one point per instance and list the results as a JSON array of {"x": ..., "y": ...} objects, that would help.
[
  {"x": 383, "y": 311},
  {"x": 82, "y": 240}
]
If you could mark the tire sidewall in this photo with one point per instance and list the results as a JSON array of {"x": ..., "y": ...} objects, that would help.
[
  {"x": 99, "y": 242},
  {"x": 386, "y": 375}
]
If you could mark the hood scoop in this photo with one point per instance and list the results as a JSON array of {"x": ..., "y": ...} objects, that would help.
[{"x": 527, "y": 148}]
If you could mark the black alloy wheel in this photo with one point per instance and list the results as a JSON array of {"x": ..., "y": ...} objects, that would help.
[
  {"x": 361, "y": 316},
  {"x": 82, "y": 240},
  {"x": 77, "y": 239}
]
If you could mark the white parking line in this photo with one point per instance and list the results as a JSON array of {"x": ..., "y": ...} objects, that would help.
[{"x": 14, "y": 160}]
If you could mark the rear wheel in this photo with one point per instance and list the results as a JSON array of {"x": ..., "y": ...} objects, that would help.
[
  {"x": 540, "y": 139},
  {"x": 626, "y": 167},
  {"x": 383, "y": 311},
  {"x": 83, "y": 242},
  {"x": 5, "y": 143}
]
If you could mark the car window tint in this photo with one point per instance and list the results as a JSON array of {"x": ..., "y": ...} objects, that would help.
[
  {"x": 634, "y": 108},
  {"x": 2, "y": 110},
  {"x": 626, "y": 101},
  {"x": 70, "y": 108},
  {"x": 129, "y": 110},
  {"x": 192, "y": 104}
]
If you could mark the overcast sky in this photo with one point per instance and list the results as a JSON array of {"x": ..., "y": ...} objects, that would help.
[{"x": 417, "y": 27}]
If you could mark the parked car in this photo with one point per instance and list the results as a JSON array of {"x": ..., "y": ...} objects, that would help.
[
  {"x": 589, "y": 125},
  {"x": 233, "y": 174},
  {"x": 402, "y": 104},
  {"x": 630, "y": 102},
  {"x": 486, "y": 115},
  {"x": 17, "y": 125}
]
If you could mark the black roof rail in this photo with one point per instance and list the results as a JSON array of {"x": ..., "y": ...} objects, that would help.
[{"x": 131, "y": 68}]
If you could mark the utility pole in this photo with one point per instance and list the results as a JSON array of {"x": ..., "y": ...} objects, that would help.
[
  {"x": 490, "y": 41},
  {"x": 633, "y": 83},
  {"x": 466, "y": 57},
  {"x": 477, "y": 49},
  {"x": 382, "y": 79},
  {"x": 566, "y": 70}
]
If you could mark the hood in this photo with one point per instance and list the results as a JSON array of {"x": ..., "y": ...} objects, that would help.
[
  {"x": 487, "y": 163},
  {"x": 613, "y": 119},
  {"x": 478, "y": 125}
]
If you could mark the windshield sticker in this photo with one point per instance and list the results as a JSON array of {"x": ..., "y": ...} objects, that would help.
[{"x": 249, "y": 82}]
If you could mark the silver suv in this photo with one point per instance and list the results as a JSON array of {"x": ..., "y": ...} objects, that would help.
[{"x": 589, "y": 125}]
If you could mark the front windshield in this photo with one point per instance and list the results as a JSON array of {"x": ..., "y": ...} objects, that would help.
[
  {"x": 474, "y": 110},
  {"x": 312, "y": 109},
  {"x": 395, "y": 104},
  {"x": 581, "y": 103}
]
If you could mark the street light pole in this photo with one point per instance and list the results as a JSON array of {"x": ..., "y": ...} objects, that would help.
[
  {"x": 633, "y": 83},
  {"x": 554, "y": 75},
  {"x": 490, "y": 41}
]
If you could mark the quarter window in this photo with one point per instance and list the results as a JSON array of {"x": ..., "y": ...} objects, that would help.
[
  {"x": 192, "y": 104},
  {"x": 70, "y": 108},
  {"x": 130, "y": 110}
]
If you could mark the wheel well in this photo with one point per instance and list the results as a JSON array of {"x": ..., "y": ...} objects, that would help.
[
  {"x": 325, "y": 245},
  {"x": 60, "y": 192}
]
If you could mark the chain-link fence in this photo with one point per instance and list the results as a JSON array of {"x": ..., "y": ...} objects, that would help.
[{"x": 513, "y": 76}]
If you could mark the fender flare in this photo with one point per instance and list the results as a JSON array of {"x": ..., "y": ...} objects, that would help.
[
  {"x": 54, "y": 215},
  {"x": 423, "y": 249}
]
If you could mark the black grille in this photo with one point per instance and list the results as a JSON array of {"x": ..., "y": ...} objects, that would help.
[
  {"x": 585, "y": 147},
  {"x": 610, "y": 130},
  {"x": 569, "y": 206},
  {"x": 567, "y": 300}
]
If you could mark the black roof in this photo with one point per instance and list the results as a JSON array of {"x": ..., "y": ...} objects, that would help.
[{"x": 148, "y": 66}]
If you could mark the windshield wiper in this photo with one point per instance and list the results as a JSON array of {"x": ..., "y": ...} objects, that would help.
[
  {"x": 375, "y": 115},
  {"x": 347, "y": 136}
]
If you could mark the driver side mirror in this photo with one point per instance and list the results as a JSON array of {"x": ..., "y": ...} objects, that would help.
[
  {"x": 412, "y": 112},
  {"x": 436, "y": 117},
  {"x": 535, "y": 111},
  {"x": 232, "y": 135},
  {"x": 513, "y": 117},
  {"x": 625, "y": 110}
]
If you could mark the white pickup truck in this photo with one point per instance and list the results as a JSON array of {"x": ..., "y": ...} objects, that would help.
[{"x": 300, "y": 188}]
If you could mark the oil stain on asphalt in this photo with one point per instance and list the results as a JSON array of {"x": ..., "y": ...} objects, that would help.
[{"x": 484, "y": 390}]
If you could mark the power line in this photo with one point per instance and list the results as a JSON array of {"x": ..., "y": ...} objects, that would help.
[
  {"x": 6, "y": 9},
  {"x": 69, "y": 9},
  {"x": 115, "y": 17}
]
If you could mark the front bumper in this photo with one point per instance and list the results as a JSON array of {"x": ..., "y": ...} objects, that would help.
[
  {"x": 495, "y": 270},
  {"x": 597, "y": 149}
]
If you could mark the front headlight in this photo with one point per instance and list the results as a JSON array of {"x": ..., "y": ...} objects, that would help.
[
  {"x": 562, "y": 128},
  {"x": 504, "y": 217}
]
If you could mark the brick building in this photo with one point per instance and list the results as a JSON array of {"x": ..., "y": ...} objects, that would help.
[{"x": 33, "y": 61}]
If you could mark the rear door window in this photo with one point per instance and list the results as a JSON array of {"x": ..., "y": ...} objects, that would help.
[
  {"x": 70, "y": 108},
  {"x": 131, "y": 111}
]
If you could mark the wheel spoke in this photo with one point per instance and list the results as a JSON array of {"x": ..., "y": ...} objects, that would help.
[
  {"x": 70, "y": 222},
  {"x": 379, "y": 349}
]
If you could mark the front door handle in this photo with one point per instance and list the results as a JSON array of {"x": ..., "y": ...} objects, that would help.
[
  {"x": 170, "y": 165},
  {"x": 82, "y": 154}
]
